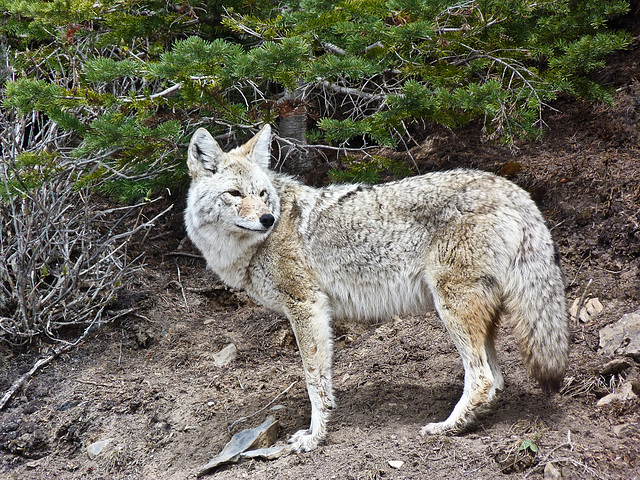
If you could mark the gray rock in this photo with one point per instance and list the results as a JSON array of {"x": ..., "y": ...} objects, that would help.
[
  {"x": 99, "y": 448},
  {"x": 240, "y": 444},
  {"x": 551, "y": 472},
  {"x": 626, "y": 430},
  {"x": 590, "y": 309},
  {"x": 225, "y": 356},
  {"x": 622, "y": 337},
  {"x": 621, "y": 394}
]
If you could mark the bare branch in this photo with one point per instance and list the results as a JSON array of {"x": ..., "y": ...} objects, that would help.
[
  {"x": 163, "y": 93},
  {"x": 353, "y": 91},
  {"x": 56, "y": 269}
]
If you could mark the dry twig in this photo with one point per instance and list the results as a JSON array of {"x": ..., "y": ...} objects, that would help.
[{"x": 57, "y": 270}]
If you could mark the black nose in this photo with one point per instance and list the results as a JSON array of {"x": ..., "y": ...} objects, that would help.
[{"x": 267, "y": 220}]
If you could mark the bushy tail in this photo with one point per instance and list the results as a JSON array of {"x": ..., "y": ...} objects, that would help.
[{"x": 536, "y": 302}]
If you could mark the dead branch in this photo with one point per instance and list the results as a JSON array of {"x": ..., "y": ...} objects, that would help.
[
  {"x": 57, "y": 269},
  {"x": 353, "y": 92},
  {"x": 39, "y": 364},
  {"x": 21, "y": 381}
]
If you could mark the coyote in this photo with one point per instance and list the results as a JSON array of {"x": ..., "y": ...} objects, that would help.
[{"x": 472, "y": 245}]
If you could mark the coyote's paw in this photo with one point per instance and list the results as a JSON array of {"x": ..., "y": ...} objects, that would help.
[
  {"x": 304, "y": 441},
  {"x": 439, "y": 428}
]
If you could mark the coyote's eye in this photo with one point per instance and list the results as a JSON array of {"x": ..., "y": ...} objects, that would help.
[{"x": 234, "y": 193}]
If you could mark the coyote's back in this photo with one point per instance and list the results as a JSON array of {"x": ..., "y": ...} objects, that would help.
[{"x": 470, "y": 244}]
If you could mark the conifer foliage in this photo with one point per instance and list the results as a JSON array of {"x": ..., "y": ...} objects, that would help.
[{"x": 116, "y": 87}]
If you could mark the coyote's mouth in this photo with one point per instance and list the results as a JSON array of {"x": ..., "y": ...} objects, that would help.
[{"x": 260, "y": 229}]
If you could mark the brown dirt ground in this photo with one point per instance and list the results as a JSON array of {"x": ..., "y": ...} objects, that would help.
[{"x": 149, "y": 381}]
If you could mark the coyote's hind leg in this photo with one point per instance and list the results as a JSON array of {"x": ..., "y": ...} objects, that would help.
[{"x": 471, "y": 319}]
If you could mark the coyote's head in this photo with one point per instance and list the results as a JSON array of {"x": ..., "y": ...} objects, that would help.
[{"x": 231, "y": 193}]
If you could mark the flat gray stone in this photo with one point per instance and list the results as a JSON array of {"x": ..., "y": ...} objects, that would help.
[
  {"x": 622, "y": 337},
  {"x": 270, "y": 453},
  {"x": 225, "y": 356},
  {"x": 256, "y": 438}
]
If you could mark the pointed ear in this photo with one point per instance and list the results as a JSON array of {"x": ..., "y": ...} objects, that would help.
[
  {"x": 258, "y": 149},
  {"x": 204, "y": 154}
]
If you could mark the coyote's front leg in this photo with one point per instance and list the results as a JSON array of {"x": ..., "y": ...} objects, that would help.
[{"x": 311, "y": 325}]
